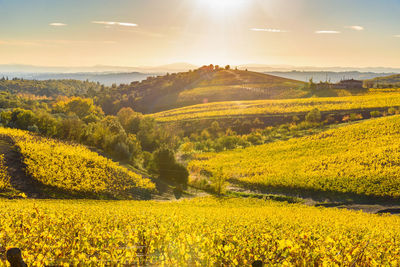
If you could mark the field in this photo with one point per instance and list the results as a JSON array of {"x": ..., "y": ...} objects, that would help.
[
  {"x": 361, "y": 159},
  {"x": 200, "y": 232},
  {"x": 275, "y": 107},
  {"x": 73, "y": 167}
]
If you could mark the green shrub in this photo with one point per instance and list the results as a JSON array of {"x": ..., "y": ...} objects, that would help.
[
  {"x": 168, "y": 169},
  {"x": 375, "y": 113},
  {"x": 314, "y": 116}
]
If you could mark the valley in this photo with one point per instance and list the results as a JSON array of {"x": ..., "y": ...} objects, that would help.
[{"x": 201, "y": 177}]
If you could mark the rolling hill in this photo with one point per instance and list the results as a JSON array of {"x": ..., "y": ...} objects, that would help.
[
  {"x": 207, "y": 84},
  {"x": 360, "y": 159}
]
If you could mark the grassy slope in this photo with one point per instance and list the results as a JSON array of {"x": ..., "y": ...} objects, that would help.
[
  {"x": 284, "y": 106},
  {"x": 223, "y": 85},
  {"x": 228, "y": 85},
  {"x": 361, "y": 159}
]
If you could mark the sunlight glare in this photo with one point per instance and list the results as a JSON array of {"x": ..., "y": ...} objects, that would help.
[{"x": 222, "y": 6}]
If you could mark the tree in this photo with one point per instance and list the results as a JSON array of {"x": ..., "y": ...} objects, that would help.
[
  {"x": 129, "y": 119},
  {"x": 227, "y": 67},
  {"x": 214, "y": 128},
  {"x": 314, "y": 116},
  {"x": 218, "y": 182},
  {"x": 167, "y": 168},
  {"x": 147, "y": 134},
  {"x": 81, "y": 107},
  {"x": 375, "y": 113},
  {"x": 22, "y": 118},
  {"x": 311, "y": 85}
]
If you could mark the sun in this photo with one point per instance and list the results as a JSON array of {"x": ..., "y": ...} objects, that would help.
[{"x": 221, "y": 6}]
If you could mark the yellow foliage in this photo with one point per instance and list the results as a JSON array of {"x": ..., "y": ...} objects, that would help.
[
  {"x": 362, "y": 158},
  {"x": 283, "y": 106},
  {"x": 73, "y": 167},
  {"x": 200, "y": 232},
  {"x": 4, "y": 176}
]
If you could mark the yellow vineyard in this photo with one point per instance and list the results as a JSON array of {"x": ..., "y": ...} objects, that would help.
[
  {"x": 362, "y": 158},
  {"x": 73, "y": 167},
  {"x": 273, "y": 107},
  {"x": 201, "y": 232},
  {"x": 4, "y": 176}
]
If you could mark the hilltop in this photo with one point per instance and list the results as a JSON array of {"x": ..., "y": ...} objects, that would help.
[{"x": 207, "y": 84}]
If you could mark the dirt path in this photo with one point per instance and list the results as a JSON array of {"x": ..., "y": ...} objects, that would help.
[
  {"x": 166, "y": 192},
  {"x": 16, "y": 169},
  {"x": 371, "y": 207}
]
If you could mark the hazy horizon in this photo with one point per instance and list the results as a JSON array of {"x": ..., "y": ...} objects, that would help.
[{"x": 159, "y": 32}]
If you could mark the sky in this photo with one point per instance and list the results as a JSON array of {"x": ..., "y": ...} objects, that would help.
[{"x": 347, "y": 33}]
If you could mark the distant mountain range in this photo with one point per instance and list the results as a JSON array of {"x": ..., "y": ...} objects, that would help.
[
  {"x": 15, "y": 68},
  {"x": 106, "y": 78},
  {"x": 288, "y": 68}
]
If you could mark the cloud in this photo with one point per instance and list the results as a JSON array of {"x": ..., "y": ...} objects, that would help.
[
  {"x": 52, "y": 43},
  {"x": 355, "y": 27},
  {"x": 267, "y": 30},
  {"x": 327, "y": 32},
  {"x": 115, "y": 23},
  {"x": 396, "y": 36},
  {"x": 57, "y": 24},
  {"x": 73, "y": 42}
]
